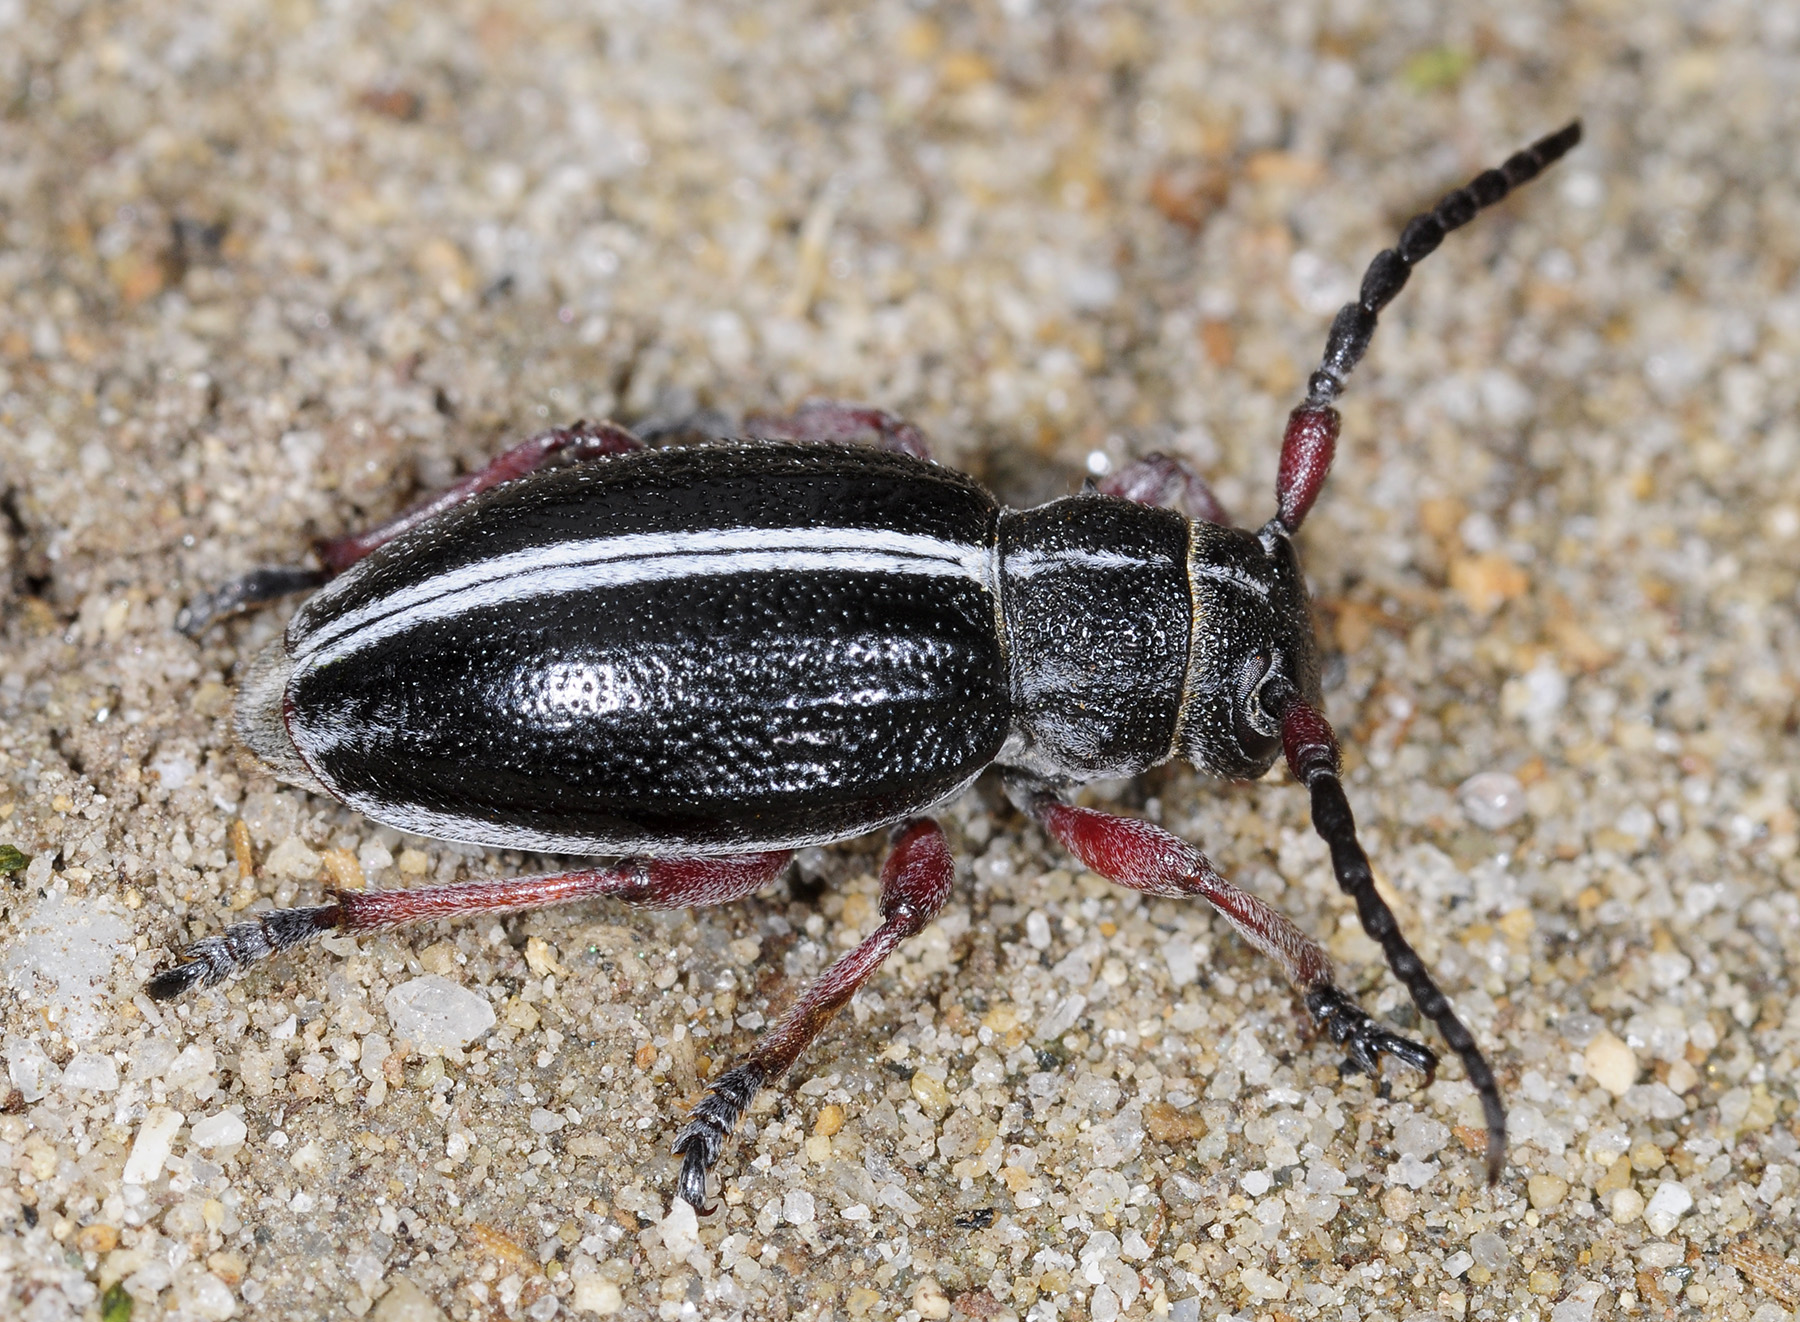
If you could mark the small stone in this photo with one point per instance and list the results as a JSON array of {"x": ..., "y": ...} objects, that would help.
[
  {"x": 931, "y": 1301},
  {"x": 1262, "y": 1285},
  {"x": 1613, "y": 1064},
  {"x": 546, "y": 1122},
  {"x": 435, "y": 1014},
  {"x": 1485, "y": 582},
  {"x": 1170, "y": 1125},
  {"x": 154, "y": 1139},
  {"x": 293, "y": 860},
  {"x": 860, "y": 1300},
  {"x": 1543, "y": 1281},
  {"x": 1184, "y": 964},
  {"x": 97, "y": 1238},
  {"x": 798, "y": 1208},
  {"x": 930, "y": 1093},
  {"x": 223, "y": 1130},
  {"x": 1645, "y": 1157},
  {"x": 414, "y": 862},
  {"x": 1666, "y": 1207},
  {"x": 90, "y": 1071},
  {"x": 194, "y": 1069},
  {"x": 201, "y": 1295},
  {"x": 1546, "y": 1191},
  {"x": 596, "y": 1294},
  {"x": 1626, "y": 1205},
  {"x": 680, "y": 1229},
  {"x": 1492, "y": 800},
  {"x": 406, "y": 1302},
  {"x": 830, "y": 1121},
  {"x": 30, "y": 1069}
]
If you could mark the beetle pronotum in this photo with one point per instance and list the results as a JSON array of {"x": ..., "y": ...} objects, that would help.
[{"x": 700, "y": 659}]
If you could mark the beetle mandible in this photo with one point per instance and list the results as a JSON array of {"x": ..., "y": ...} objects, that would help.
[{"x": 699, "y": 659}]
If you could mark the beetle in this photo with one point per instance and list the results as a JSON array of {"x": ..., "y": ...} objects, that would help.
[{"x": 697, "y": 659}]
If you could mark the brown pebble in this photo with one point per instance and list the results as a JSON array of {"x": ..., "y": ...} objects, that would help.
[
  {"x": 1168, "y": 1125},
  {"x": 498, "y": 1244},
  {"x": 344, "y": 872},
  {"x": 97, "y": 1238},
  {"x": 646, "y": 1056},
  {"x": 830, "y": 1121},
  {"x": 239, "y": 835}
]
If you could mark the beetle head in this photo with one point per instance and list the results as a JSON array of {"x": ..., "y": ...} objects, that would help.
[{"x": 1252, "y": 630}]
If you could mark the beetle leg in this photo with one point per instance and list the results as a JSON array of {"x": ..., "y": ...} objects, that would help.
[
  {"x": 1161, "y": 479},
  {"x": 1146, "y": 858},
  {"x": 582, "y": 440},
  {"x": 662, "y": 883},
  {"x": 915, "y": 882},
  {"x": 828, "y": 420},
  {"x": 256, "y": 588}
]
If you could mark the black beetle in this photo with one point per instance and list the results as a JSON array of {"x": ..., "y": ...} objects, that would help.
[{"x": 702, "y": 658}]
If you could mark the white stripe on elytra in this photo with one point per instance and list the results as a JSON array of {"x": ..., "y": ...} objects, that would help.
[
  {"x": 636, "y": 558},
  {"x": 1027, "y": 564}
]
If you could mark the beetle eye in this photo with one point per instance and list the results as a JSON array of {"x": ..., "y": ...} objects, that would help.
[{"x": 1255, "y": 725}]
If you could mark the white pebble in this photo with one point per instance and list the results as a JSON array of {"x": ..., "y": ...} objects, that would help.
[
  {"x": 202, "y": 1296},
  {"x": 1256, "y": 1183},
  {"x": 1612, "y": 1063},
  {"x": 1666, "y": 1207},
  {"x": 1420, "y": 1136},
  {"x": 1412, "y": 1172},
  {"x": 219, "y": 1131},
  {"x": 193, "y": 1069},
  {"x": 154, "y": 1139},
  {"x": 680, "y": 1229},
  {"x": 406, "y": 1302},
  {"x": 1185, "y": 1310},
  {"x": 546, "y": 1122},
  {"x": 435, "y": 1014},
  {"x": 1184, "y": 966},
  {"x": 1492, "y": 800},
  {"x": 1037, "y": 930},
  {"x": 91, "y": 1072},
  {"x": 797, "y": 1207},
  {"x": 1626, "y": 1205},
  {"x": 32, "y": 1072},
  {"x": 172, "y": 770},
  {"x": 293, "y": 860},
  {"x": 596, "y": 1294}
]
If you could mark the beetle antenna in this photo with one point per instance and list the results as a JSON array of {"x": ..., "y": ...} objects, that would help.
[
  {"x": 1312, "y": 756},
  {"x": 1312, "y": 428}
]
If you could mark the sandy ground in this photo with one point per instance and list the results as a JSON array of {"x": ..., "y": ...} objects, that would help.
[{"x": 272, "y": 271}]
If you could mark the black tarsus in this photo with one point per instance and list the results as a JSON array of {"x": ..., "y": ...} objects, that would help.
[
  {"x": 1354, "y": 324},
  {"x": 215, "y": 959},
  {"x": 253, "y": 589},
  {"x": 710, "y": 1123}
]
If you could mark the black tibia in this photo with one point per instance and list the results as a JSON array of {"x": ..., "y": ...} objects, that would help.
[
  {"x": 253, "y": 589},
  {"x": 216, "y": 959},
  {"x": 1386, "y": 276}
]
